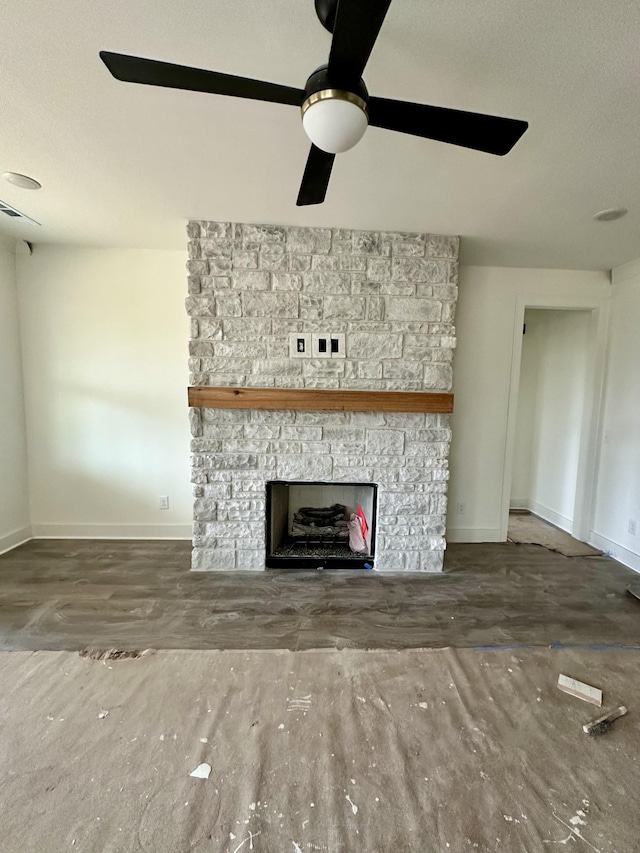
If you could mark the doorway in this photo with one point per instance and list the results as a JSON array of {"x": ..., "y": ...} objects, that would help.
[
  {"x": 553, "y": 418},
  {"x": 550, "y": 414}
]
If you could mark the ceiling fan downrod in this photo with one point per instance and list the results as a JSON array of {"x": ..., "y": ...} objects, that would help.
[{"x": 326, "y": 12}]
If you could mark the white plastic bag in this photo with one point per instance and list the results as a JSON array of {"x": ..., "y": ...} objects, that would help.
[{"x": 356, "y": 539}]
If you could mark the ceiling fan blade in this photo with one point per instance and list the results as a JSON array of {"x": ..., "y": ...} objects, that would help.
[
  {"x": 492, "y": 134},
  {"x": 356, "y": 29},
  {"x": 316, "y": 177},
  {"x": 135, "y": 69}
]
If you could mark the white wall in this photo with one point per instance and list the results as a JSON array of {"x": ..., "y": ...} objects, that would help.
[
  {"x": 551, "y": 396},
  {"x": 104, "y": 338},
  {"x": 489, "y": 323},
  {"x": 618, "y": 498},
  {"x": 104, "y": 341},
  {"x": 14, "y": 497}
]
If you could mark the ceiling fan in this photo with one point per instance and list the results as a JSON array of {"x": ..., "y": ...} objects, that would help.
[{"x": 336, "y": 106}]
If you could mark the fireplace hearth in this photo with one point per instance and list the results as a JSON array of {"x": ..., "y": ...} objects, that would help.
[{"x": 308, "y": 524}]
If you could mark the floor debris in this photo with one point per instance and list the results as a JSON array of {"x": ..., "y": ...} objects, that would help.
[
  {"x": 103, "y": 714},
  {"x": 604, "y": 723},
  {"x": 580, "y": 690},
  {"x": 202, "y": 771},
  {"x": 114, "y": 654}
]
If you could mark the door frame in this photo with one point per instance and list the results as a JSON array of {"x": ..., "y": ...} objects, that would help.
[{"x": 586, "y": 481}]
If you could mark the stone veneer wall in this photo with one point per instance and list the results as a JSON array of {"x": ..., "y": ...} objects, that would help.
[{"x": 393, "y": 295}]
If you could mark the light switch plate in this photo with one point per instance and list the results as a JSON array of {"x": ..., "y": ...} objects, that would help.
[
  {"x": 300, "y": 345},
  {"x": 321, "y": 346}
]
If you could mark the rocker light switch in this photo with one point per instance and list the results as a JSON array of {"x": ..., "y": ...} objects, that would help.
[
  {"x": 321, "y": 346},
  {"x": 299, "y": 345},
  {"x": 337, "y": 345}
]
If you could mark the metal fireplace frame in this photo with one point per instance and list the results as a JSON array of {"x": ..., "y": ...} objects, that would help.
[{"x": 296, "y": 562}]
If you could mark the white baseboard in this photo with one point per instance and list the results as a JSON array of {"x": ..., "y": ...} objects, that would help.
[
  {"x": 112, "y": 531},
  {"x": 552, "y": 517},
  {"x": 17, "y": 537},
  {"x": 472, "y": 534},
  {"x": 612, "y": 549},
  {"x": 519, "y": 503}
]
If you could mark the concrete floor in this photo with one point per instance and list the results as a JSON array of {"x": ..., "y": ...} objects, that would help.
[{"x": 78, "y": 594}]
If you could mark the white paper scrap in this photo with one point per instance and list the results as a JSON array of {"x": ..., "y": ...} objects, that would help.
[{"x": 202, "y": 771}]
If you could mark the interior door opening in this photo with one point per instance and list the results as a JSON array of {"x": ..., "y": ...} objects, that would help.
[{"x": 552, "y": 417}]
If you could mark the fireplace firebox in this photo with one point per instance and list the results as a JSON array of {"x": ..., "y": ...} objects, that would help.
[{"x": 308, "y": 524}]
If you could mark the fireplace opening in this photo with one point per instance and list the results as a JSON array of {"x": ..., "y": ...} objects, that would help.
[{"x": 311, "y": 525}]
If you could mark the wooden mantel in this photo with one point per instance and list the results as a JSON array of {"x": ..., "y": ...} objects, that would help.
[{"x": 301, "y": 399}]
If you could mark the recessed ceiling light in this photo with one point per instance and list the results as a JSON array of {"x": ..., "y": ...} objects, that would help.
[
  {"x": 610, "y": 214},
  {"x": 23, "y": 181}
]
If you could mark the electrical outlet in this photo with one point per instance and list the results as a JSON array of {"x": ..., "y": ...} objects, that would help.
[
  {"x": 299, "y": 345},
  {"x": 320, "y": 346},
  {"x": 337, "y": 345},
  {"x": 460, "y": 508},
  {"x": 632, "y": 526},
  {"x": 163, "y": 502}
]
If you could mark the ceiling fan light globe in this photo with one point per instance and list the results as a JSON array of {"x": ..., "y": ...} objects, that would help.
[{"x": 334, "y": 121}]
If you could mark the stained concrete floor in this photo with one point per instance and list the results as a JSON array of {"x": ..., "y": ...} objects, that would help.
[{"x": 78, "y": 594}]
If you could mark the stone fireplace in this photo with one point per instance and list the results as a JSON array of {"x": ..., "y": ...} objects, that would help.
[{"x": 383, "y": 304}]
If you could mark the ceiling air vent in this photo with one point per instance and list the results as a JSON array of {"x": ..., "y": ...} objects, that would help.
[{"x": 15, "y": 214}]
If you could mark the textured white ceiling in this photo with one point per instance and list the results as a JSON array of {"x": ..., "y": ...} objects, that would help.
[{"x": 126, "y": 165}]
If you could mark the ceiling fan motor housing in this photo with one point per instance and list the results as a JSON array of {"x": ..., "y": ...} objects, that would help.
[
  {"x": 321, "y": 80},
  {"x": 334, "y": 119}
]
